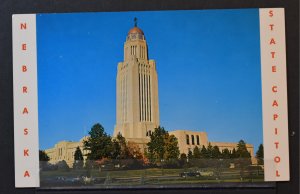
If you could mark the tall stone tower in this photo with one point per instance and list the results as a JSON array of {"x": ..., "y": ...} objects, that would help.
[{"x": 137, "y": 90}]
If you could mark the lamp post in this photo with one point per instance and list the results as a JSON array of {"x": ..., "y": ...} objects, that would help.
[{"x": 162, "y": 168}]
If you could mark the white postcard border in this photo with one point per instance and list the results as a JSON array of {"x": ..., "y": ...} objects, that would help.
[
  {"x": 274, "y": 97},
  {"x": 274, "y": 94},
  {"x": 25, "y": 101}
]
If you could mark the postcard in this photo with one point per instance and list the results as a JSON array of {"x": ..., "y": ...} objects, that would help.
[{"x": 147, "y": 99}]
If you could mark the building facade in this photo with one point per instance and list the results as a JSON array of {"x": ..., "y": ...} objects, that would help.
[
  {"x": 137, "y": 111},
  {"x": 188, "y": 140},
  {"x": 65, "y": 150}
]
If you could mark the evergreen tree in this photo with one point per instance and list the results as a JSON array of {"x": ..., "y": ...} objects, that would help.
[
  {"x": 162, "y": 146},
  {"x": 260, "y": 155},
  {"x": 243, "y": 157},
  {"x": 183, "y": 156},
  {"x": 233, "y": 154},
  {"x": 171, "y": 147},
  {"x": 203, "y": 152},
  {"x": 116, "y": 149},
  {"x": 124, "y": 152},
  {"x": 78, "y": 159},
  {"x": 156, "y": 145},
  {"x": 226, "y": 153},
  {"x": 209, "y": 151},
  {"x": 183, "y": 159},
  {"x": 98, "y": 143},
  {"x": 242, "y": 151},
  {"x": 190, "y": 155},
  {"x": 215, "y": 152},
  {"x": 43, "y": 156},
  {"x": 197, "y": 153}
]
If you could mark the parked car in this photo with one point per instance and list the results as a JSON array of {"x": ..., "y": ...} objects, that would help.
[{"x": 190, "y": 174}]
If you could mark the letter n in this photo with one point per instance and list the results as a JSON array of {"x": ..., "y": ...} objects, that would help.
[{"x": 23, "y": 26}]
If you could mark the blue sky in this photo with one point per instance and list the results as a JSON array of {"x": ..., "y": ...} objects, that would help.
[{"x": 208, "y": 65}]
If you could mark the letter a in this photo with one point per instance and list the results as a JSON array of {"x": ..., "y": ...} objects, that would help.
[
  {"x": 26, "y": 174},
  {"x": 275, "y": 103},
  {"x": 25, "y": 111},
  {"x": 272, "y": 41}
]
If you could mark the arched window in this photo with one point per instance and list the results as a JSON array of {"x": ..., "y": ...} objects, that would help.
[
  {"x": 193, "y": 141},
  {"x": 187, "y": 139},
  {"x": 198, "y": 140}
]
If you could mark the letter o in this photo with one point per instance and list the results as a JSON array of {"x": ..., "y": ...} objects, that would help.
[{"x": 277, "y": 159}]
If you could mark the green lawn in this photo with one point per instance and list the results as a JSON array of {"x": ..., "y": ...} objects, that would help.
[{"x": 154, "y": 176}]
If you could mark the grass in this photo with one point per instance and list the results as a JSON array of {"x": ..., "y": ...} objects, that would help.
[{"x": 153, "y": 176}]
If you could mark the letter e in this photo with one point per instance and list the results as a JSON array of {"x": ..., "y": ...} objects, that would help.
[{"x": 24, "y": 47}]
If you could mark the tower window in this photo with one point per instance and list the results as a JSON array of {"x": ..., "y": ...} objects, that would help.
[
  {"x": 193, "y": 141},
  {"x": 198, "y": 140},
  {"x": 187, "y": 139}
]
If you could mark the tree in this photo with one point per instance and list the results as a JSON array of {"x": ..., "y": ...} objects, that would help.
[
  {"x": 190, "y": 155},
  {"x": 260, "y": 155},
  {"x": 215, "y": 153},
  {"x": 134, "y": 151},
  {"x": 183, "y": 159},
  {"x": 203, "y": 152},
  {"x": 233, "y": 154},
  {"x": 171, "y": 147},
  {"x": 116, "y": 150},
  {"x": 78, "y": 159},
  {"x": 209, "y": 151},
  {"x": 62, "y": 165},
  {"x": 98, "y": 143},
  {"x": 43, "y": 156},
  {"x": 124, "y": 152},
  {"x": 226, "y": 153},
  {"x": 134, "y": 158},
  {"x": 197, "y": 153},
  {"x": 162, "y": 146},
  {"x": 242, "y": 151},
  {"x": 156, "y": 145},
  {"x": 243, "y": 157}
]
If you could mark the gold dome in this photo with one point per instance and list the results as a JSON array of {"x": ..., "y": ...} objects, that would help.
[{"x": 135, "y": 30}]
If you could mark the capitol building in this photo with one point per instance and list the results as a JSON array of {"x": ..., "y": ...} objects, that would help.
[{"x": 137, "y": 106}]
